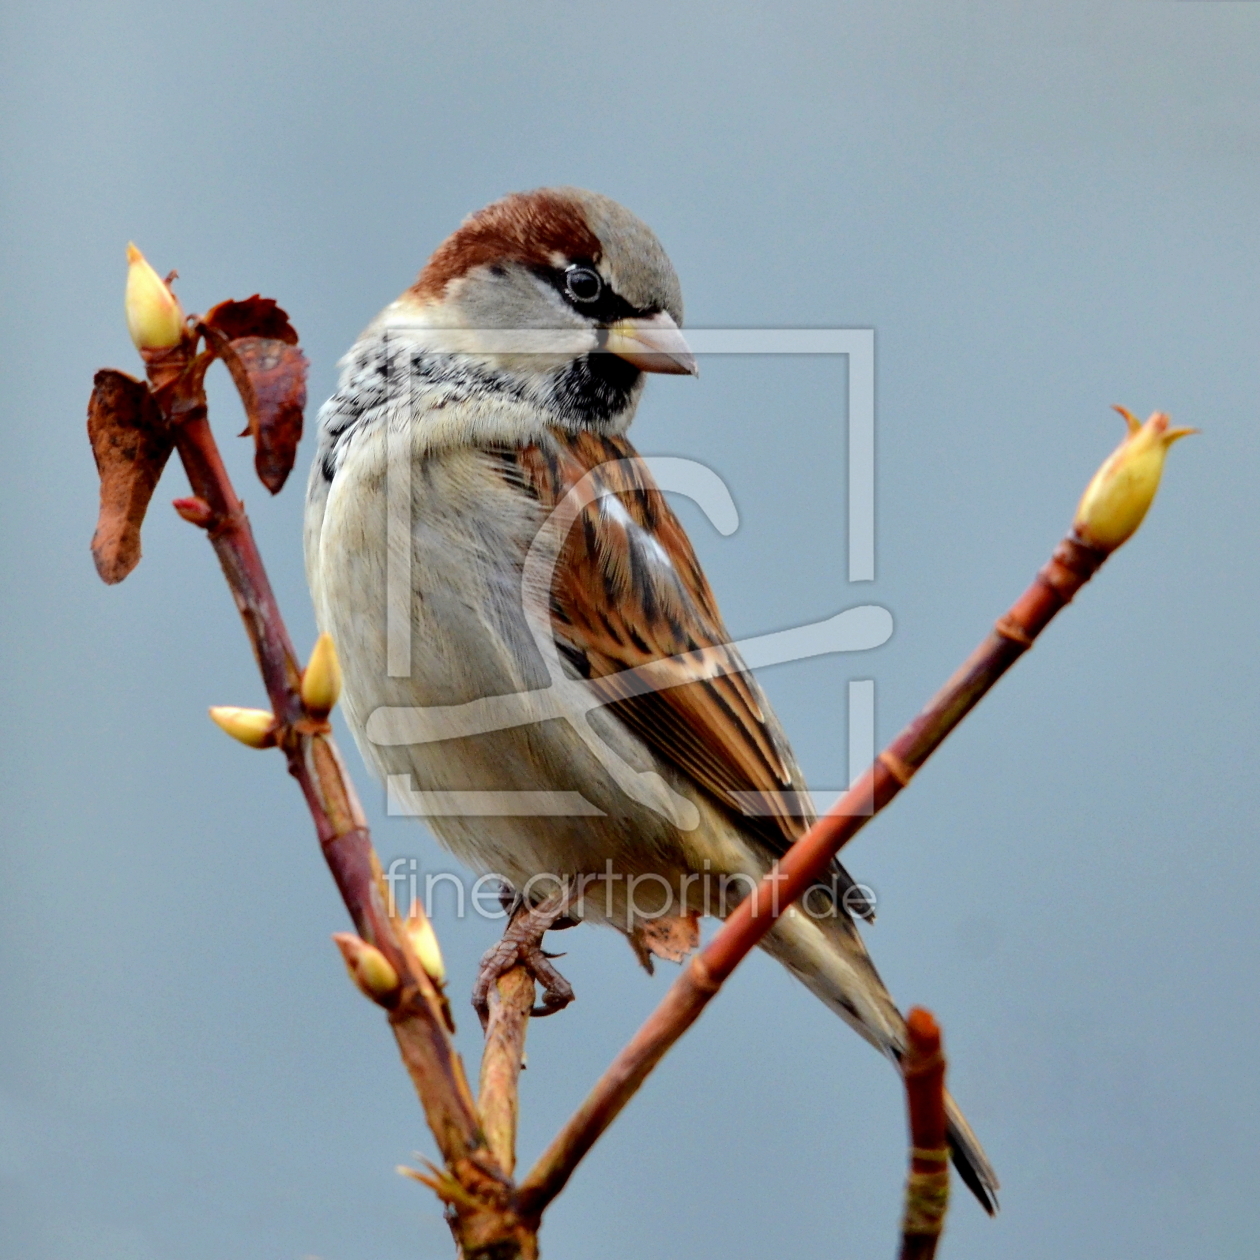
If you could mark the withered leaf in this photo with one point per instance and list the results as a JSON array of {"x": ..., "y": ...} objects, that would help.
[
  {"x": 270, "y": 376},
  {"x": 670, "y": 936},
  {"x": 254, "y": 317},
  {"x": 131, "y": 443}
]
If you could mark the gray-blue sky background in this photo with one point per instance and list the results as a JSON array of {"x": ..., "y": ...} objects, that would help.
[{"x": 1041, "y": 209}]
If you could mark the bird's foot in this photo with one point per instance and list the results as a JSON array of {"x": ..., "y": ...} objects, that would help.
[
  {"x": 521, "y": 945},
  {"x": 512, "y": 902}
]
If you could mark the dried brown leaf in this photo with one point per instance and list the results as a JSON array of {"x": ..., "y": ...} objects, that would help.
[
  {"x": 254, "y": 317},
  {"x": 131, "y": 442},
  {"x": 671, "y": 936},
  {"x": 270, "y": 376}
]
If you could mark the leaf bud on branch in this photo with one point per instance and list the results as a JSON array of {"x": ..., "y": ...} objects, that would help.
[
  {"x": 256, "y": 728},
  {"x": 1121, "y": 491},
  {"x": 424, "y": 941},
  {"x": 155, "y": 318},
  {"x": 321, "y": 681},
  {"x": 371, "y": 971}
]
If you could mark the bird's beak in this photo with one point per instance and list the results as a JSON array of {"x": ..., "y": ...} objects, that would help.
[{"x": 652, "y": 343}]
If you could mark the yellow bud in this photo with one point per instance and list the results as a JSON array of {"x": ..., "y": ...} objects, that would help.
[
  {"x": 155, "y": 318},
  {"x": 424, "y": 941},
  {"x": 255, "y": 727},
  {"x": 1122, "y": 490},
  {"x": 321, "y": 683},
  {"x": 368, "y": 967}
]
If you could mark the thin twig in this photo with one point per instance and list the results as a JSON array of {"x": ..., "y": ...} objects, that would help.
[
  {"x": 475, "y": 1187},
  {"x": 1069, "y": 568},
  {"x": 339, "y": 822},
  {"x": 927, "y": 1186},
  {"x": 511, "y": 1000}
]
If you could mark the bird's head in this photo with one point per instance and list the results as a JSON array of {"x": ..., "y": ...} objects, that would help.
[{"x": 560, "y": 296}]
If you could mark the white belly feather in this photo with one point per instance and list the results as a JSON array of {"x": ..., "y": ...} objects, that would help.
[{"x": 470, "y": 639}]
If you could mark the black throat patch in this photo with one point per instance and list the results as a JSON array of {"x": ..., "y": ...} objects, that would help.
[{"x": 595, "y": 389}]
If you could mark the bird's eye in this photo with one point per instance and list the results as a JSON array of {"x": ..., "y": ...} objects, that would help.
[{"x": 582, "y": 284}]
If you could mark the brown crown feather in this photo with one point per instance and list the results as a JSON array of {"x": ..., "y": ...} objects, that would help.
[{"x": 529, "y": 228}]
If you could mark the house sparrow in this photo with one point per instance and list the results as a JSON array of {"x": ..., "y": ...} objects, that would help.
[{"x": 504, "y": 380}]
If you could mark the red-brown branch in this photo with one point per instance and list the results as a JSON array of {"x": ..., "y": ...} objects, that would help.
[
  {"x": 476, "y": 1187},
  {"x": 498, "y": 1097},
  {"x": 927, "y": 1186},
  {"x": 1069, "y": 568}
]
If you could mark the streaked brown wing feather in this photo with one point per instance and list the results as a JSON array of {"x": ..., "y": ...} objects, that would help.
[{"x": 629, "y": 592}]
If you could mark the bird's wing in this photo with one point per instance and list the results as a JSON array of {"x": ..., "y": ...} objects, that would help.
[{"x": 628, "y": 591}]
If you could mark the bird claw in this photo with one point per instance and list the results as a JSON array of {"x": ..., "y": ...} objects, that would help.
[
  {"x": 521, "y": 945},
  {"x": 512, "y": 901}
]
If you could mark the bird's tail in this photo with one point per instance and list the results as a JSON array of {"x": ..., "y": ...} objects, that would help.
[
  {"x": 827, "y": 955},
  {"x": 970, "y": 1161}
]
